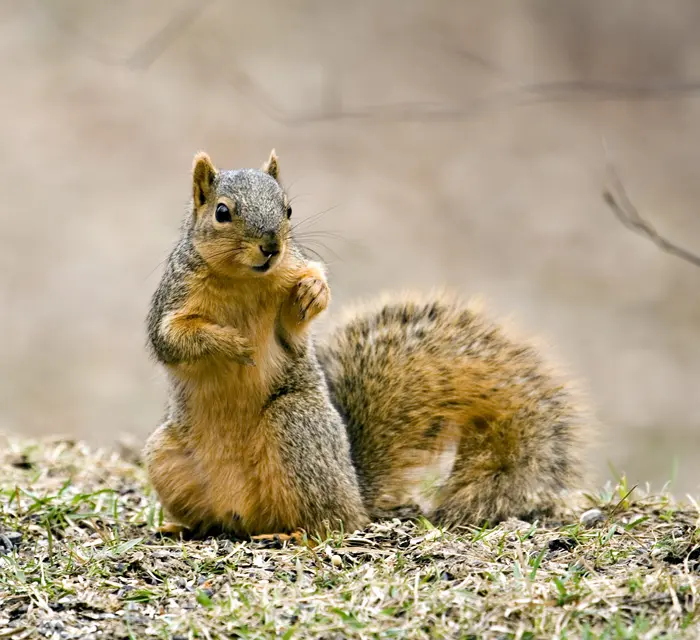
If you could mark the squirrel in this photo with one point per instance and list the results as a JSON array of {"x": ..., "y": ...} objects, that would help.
[
  {"x": 251, "y": 443},
  {"x": 412, "y": 401}
]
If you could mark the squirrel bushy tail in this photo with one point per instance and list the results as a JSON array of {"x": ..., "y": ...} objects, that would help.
[{"x": 447, "y": 413}]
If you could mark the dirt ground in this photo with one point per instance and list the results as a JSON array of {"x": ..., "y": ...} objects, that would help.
[
  {"x": 449, "y": 143},
  {"x": 80, "y": 557}
]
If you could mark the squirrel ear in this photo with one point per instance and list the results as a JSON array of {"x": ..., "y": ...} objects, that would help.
[
  {"x": 203, "y": 174},
  {"x": 272, "y": 167}
]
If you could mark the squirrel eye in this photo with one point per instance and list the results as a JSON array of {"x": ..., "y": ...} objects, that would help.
[
  {"x": 289, "y": 212},
  {"x": 223, "y": 213}
]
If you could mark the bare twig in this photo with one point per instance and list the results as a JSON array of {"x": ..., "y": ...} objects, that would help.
[
  {"x": 617, "y": 199},
  {"x": 145, "y": 55},
  {"x": 147, "y": 52},
  {"x": 528, "y": 94}
]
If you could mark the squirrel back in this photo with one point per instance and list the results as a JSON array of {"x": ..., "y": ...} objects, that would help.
[{"x": 446, "y": 412}]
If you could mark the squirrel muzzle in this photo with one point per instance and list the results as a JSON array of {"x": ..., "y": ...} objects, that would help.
[{"x": 268, "y": 253}]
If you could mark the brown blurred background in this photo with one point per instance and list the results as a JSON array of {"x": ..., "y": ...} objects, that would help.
[{"x": 451, "y": 143}]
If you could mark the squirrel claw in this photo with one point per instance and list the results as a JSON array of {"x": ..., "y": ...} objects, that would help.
[
  {"x": 277, "y": 540},
  {"x": 245, "y": 356},
  {"x": 312, "y": 297},
  {"x": 173, "y": 530}
]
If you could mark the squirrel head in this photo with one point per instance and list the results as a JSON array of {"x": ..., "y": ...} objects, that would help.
[{"x": 240, "y": 218}]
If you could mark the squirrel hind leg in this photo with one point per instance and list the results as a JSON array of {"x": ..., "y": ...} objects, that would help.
[
  {"x": 177, "y": 482},
  {"x": 413, "y": 487}
]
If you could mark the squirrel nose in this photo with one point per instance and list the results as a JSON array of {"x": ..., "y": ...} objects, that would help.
[{"x": 270, "y": 248}]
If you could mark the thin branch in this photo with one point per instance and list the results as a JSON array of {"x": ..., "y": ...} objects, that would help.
[
  {"x": 146, "y": 53},
  {"x": 528, "y": 94},
  {"x": 617, "y": 199},
  {"x": 330, "y": 106}
]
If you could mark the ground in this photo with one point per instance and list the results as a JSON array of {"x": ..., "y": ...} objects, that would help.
[{"x": 79, "y": 557}]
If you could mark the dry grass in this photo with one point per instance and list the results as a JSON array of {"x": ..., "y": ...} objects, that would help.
[{"x": 79, "y": 558}]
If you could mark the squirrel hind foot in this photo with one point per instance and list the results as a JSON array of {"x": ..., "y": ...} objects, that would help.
[
  {"x": 278, "y": 540},
  {"x": 173, "y": 530},
  {"x": 183, "y": 532},
  {"x": 266, "y": 540}
]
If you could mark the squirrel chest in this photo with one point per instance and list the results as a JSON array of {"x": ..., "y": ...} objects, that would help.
[{"x": 225, "y": 402}]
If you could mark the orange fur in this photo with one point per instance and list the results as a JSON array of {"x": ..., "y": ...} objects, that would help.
[
  {"x": 424, "y": 400},
  {"x": 424, "y": 380},
  {"x": 227, "y": 443},
  {"x": 230, "y": 323}
]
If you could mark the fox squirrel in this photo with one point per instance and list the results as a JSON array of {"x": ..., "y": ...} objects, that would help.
[{"x": 268, "y": 434}]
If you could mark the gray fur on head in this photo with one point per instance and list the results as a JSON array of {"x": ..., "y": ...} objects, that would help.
[{"x": 260, "y": 200}]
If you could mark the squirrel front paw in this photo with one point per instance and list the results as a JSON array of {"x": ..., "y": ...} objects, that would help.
[
  {"x": 312, "y": 296},
  {"x": 237, "y": 348},
  {"x": 245, "y": 356}
]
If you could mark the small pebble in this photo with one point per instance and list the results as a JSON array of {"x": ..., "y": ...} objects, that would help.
[
  {"x": 9, "y": 540},
  {"x": 592, "y": 517},
  {"x": 336, "y": 560},
  {"x": 22, "y": 462},
  {"x": 433, "y": 534},
  {"x": 561, "y": 544}
]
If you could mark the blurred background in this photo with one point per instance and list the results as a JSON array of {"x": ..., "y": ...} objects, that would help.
[{"x": 446, "y": 143}]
